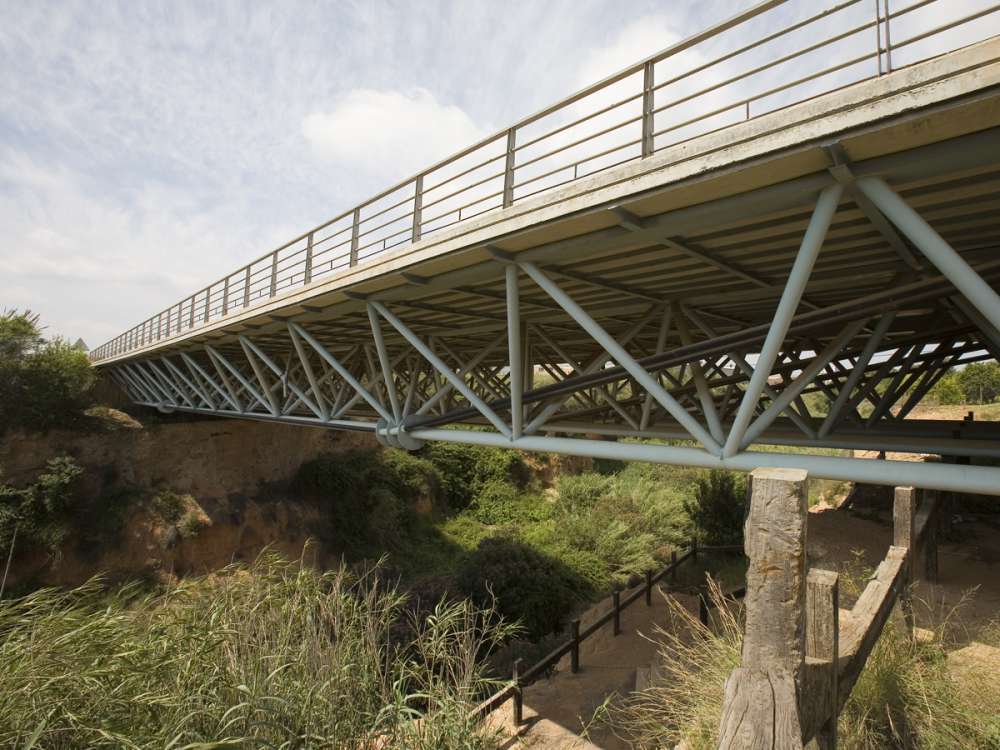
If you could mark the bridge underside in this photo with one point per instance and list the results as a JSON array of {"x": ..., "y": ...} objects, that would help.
[{"x": 811, "y": 312}]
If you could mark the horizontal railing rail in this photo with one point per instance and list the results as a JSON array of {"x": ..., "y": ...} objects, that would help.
[
  {"x": 771, "y": 55},
  {"x": 512, "y": 691}
]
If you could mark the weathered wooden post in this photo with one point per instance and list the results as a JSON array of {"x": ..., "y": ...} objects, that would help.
[
  {"x": 819, "y": 701},
  {"x": 904, "y": 535},
  {"x": 932, "y": 498},
  {"x": 616, "y": 603},
  {"x": 649, "y": 588},
  {"x": 760, "y": 707}
]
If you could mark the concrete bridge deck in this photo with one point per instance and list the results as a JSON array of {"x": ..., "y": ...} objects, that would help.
[{"x": 797, "y": 277}]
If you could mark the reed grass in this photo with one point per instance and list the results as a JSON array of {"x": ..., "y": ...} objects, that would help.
[{"x": 274, "y": 654}]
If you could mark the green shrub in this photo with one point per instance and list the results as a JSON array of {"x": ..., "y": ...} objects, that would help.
[
  {"x": 465, "y": 469},
  {"x": 274, "y": 655},
  {"x": 43, "y": 384},
  {"x": 582, "y": 491},
  {"x": 532, "y": 589},
  {"x": 168, "y": 505},
  {"x": 39, "y": 513},
  {"x": 947, "y": 390},
  {"x": 718, "y": 507},
  {"x": 370, "y": 495}
]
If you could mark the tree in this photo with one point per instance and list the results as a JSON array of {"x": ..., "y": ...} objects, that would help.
[
  {"x": 980, "y": 382},
  {"x": 43, "y": 383},
  {"x": 948, "y": 390}
]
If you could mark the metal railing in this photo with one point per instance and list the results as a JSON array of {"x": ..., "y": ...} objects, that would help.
[{"x": 772, "y": 55}]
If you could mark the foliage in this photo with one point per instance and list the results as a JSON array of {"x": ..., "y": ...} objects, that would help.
[
  {"x": 466, "y": 469},
  {"x": 534, "y": 590},
  {"x": 168, "y": 505},
  {"x": 43, "y": 384},
  {"x": 274, "y": 655},
  {"x": 947, "y": 390},
  {"x": 39, "y": 513},
  {"x": 980, "y": 382},
  {"x": 718, "y": 507},
  {"x": 976, "y": 383},
  {"x": 370, "y": 495}
]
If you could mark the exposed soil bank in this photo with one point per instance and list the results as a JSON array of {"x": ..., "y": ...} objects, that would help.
[{"x": 228, "y": 477}]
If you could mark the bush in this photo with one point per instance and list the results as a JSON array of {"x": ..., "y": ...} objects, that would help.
[
  {"x": 39, "y": 513},
  {"x": 534, "y": 590},
  {"x": 274, "y": 655},
  {"x": 43, "y": 384},
  {"x": 466, "y": 469},
  {"x": 718, "y": 508},
  {"x": 947, "y": 390},
  {"x": 370, "y": 495}
]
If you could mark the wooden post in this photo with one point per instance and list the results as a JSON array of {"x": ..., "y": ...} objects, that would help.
[
  {"x": 702, "y": 609},
  {"x": 518, "y": 707},
  {"x": 649, "y": 588},
  {"x": 823, "y": 644},
  {"x": 760, "y": 708},
  {"x": 904, "y": 534},
  {"x": 930, "y": 542},
  {"x": 574, "y": 652},
  {"x": 616, "y": 602},
  {"x": 673, "y": 565}
]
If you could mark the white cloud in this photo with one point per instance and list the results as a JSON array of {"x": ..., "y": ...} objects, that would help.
[{"x": 390, "y": 133}]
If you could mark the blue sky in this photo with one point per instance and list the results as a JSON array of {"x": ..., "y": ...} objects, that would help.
[{"x": 147, "y": 148}]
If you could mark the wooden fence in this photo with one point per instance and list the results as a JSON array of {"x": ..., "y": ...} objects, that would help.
[
  {"x": 619, "y": 603},
  {"x": 801, "y": 655}
]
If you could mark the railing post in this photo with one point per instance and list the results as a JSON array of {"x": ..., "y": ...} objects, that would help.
[
  {"x": 246, "y": 288},
  {"x": 274, "y": 274},
  {"x": 225, "y": 297},
  {"x": 308, "y": 275},
  {"x": 168, "y": 321},
  {"x": 191, "y": 313},
  {"x": 649, "y": 588},
  {"x": 518, "y": 707},
  {"x": 616, "y": 602},
  {"x": 574, "y": 651},
  {"x": 904, "y": 507},
  {"x": 355, "y": 236},
  {"x": 208, "y": 302},
  {"x": 418, "y": 202},
  {"x": 647, "y": 109},
  {"x": 508, "y": 170},
  {"x": 930, "y": 542},
  {"x": 823, "y": 643}
]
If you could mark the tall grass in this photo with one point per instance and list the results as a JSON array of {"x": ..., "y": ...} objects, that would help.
[
  {"x": 272, "y": 655},
  {"x": 907, "y": 696}
]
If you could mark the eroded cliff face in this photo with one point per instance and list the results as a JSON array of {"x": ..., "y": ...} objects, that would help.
[{"x": 228, "y": 478}]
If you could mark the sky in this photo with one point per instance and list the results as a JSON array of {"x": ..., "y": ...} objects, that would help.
[{"x": 148, "y": 148}]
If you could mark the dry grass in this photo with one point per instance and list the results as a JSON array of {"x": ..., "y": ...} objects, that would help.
[{"x": 907, "y": 696}]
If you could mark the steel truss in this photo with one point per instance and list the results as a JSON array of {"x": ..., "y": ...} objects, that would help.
[{"x": 701, "y": 385}]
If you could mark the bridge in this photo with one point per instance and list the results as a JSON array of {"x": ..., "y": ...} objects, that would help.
[{"x": 775, "y": 235}]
